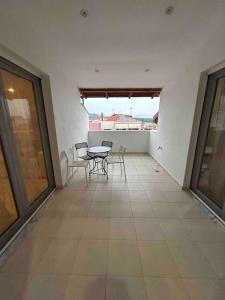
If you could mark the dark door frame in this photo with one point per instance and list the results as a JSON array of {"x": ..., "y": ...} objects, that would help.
[
  {"x": 25, "y": 210},
  {"x": 202, "y": 139}
]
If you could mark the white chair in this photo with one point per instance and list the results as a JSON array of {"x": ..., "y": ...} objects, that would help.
[
  {"x": 117, "y": 160},
  {"x": 71, "y": 164}
]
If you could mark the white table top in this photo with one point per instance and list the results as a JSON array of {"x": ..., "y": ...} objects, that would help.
[{"x": 99, "y": 149}]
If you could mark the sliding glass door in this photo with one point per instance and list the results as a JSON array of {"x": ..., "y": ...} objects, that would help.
[
  {"x": 26, "y": 174},
  {"x": 208, "y": 180}
]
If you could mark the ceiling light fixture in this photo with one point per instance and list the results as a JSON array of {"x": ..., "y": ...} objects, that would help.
[
  {"x": 147, "y": 70},
  {"x": 11, "y": 90},
  {"x": 97, "y": 70},
  {"x": 169, "y": 10},
  {"x": 84, "y": 12}
]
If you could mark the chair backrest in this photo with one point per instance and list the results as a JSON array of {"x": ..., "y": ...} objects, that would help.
[
  {"x": 107, "y": 144},
  {"x": 81, "y": 145},
  {"x": 122, "y": 151}
]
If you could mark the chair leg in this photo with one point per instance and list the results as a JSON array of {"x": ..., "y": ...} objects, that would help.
[
  {"x": 86, "y": 176},
  {"x": 124, "y": 171}
]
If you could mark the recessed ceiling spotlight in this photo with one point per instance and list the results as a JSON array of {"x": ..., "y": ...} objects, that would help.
[
  {"x": 147, "y": 70},
  {"x": 11, "y": 90},
  {"x": 169, "y": 10},
  {"x": 97, "y": 70},
  {"x": 84, "y": 12}
]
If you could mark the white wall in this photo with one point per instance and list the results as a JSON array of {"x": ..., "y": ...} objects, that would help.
[
  {"x": 177, "y": 108},
  {"x": 135, "y": 141}
]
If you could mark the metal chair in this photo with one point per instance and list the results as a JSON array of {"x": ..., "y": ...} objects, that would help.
[
  {"x": 71, "y": 164},
  {"x": 117, "y": 160},
  {"x": 79, "y": 146},
  {"x": 107, "y": 144}
]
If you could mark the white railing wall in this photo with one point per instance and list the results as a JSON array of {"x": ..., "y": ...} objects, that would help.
[{"x": 134, "y": 140}]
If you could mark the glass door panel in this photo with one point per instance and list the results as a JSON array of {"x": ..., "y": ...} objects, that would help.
[
  {"x": 8, "y": 211},
  {"x": 208, "y": 176},
  {"x": 20, "y": 96},
  {"x": 212, "y": 173}
]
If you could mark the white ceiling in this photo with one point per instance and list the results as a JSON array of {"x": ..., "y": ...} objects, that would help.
[{"x": 121, "y": 38}]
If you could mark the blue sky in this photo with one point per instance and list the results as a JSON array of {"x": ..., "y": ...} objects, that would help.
[{"x": 141, "y": 107}]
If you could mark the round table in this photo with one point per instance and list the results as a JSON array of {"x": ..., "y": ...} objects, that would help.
[{"x": 98, "y": 152}]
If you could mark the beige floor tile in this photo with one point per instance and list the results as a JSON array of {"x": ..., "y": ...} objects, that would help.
[
  {"x": 125, "y": 288},
  {"x": 71, "y": 228},
  {"x": 121, "y": 196},
  {"x": 157, "y": 196},
  {"x": 215, "y": 253},
  {"x": 91, "y": 257},
  {"x": 122, "y": 186},
  {"x": 165, "y": 289},
  {"x": 148, "y": 229},
  {"x": 85, "y": 288},
  {"x": 138, "y": 196},
  {"x": 120, "y": 210},
  {"x": 179, "y": 196},
  {"x": 179, "y": 210},
  {"x": 58, "y": 257},
  {"x": 164, "y": 186},
  {"x": 100, "y": 209},
  {"x": 63, "y": 209},
  {"x": 205, "y": 289},
  {"x": 136, "y": 186},
  {"x": 174, "y": 229},
  {"x": 142, "y": 210},
  {"x": 102, "y": 196},
  {"x": 97, "y": 228},
  {"x": 12, "y": 286},
  {"x": 71, "y": 196},
  {"x": 157, "y": 260},
  {"x": 104, "y": 186},
  {"x": 205, "y": 230},
  {"x": 26, "y": 256},
  {"x": 122, "y": 228},
  {"x": 45, "y": 287},
  {"x": 124, "y": 258},
  {"x": 190, "y": 261}
]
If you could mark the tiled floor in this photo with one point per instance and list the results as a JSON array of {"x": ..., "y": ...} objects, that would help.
[{"x": 144, "y": 239}]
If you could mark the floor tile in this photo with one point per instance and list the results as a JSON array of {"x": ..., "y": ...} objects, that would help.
[
  {"x": 165, "y": 288},
  {"x": 97, "y": 228},
  {"x": 100, "y": 209},
  {"x": 148, "y": 229},
  {"x": 190, "y": 261},
  {"x": 138, "y": 196},
  {"x": 102, "y": 196},
  {"x": 125, "y": 288},
  {"x": 58, "y": 257},
  {"x": 215, "y": 253},
  {"x": 124, "y": 258},
  {"x": 205, "y": 289},
  {"x": 205, "y": 230},
  {"x": 121, "y": 196},
  {"x": 122, "y": 228},
  {"x": 157, "y": 260},
  {"x": 26, "y": 256},
  {"x": 120, "y": 210},
  {"x": 45, "y": 287},
  {"x": 91, "y": 257},
  {"x": 142, "y": 210},
  {"x": 85, "y": 288},
  {"x": 71, "y": 228},
  {"x": 175, "y": 229}
]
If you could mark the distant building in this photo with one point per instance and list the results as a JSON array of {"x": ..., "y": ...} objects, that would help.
[{"x": 118, "y": 122}]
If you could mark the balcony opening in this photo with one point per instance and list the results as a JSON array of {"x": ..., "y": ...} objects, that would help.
[{"x": 121, "y": 109}]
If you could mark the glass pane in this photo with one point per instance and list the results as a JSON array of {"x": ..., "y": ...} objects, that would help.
[
  {"x": 212, "y": 174},
  {"x": 8, "y": 212},
  {"x": 23, "y": 112}
]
